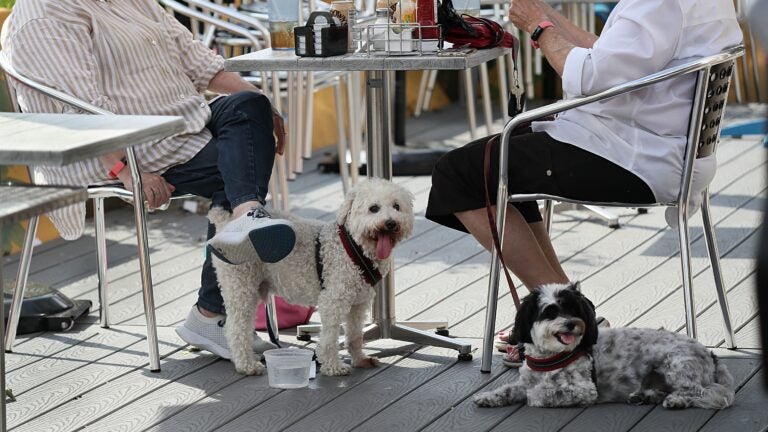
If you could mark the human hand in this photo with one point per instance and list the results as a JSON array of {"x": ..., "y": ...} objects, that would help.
[
  {"x": 279, "y": 131},
  {"x": 157, "y": 191},
  {"x": 527, "y": 14}
]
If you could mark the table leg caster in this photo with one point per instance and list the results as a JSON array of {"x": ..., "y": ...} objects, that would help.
[
  {"x": 442, "y": 332},
  {"x": 465, "y": 357},
  {"x": 304, "y": 337}
]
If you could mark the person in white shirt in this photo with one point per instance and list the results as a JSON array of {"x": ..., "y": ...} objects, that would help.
[{"x": 629, "y": 148}]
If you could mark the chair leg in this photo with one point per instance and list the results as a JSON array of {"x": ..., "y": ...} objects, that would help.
[
  {"x": 503, "y": 85},
  {"x": 493, "y": 294},
  {"x": 309, "y": 116},
  {"x": 342, "y": 144},
  {"x": 140, "y": 215},
  {"x": 714, "y": 258},
  {"x": 101, "y": 258},
  {"x": 355, "y": 130},
  {"x": 549, "y": 210},
  {"x": 469, "y": 91},
  {"x": 425, "y": 104},
  {"x": 685, "y": 258},
  {"x": 485, "y": 91},
  {"x": 21, "y": 284},
  {"x": 422, "y": 92}
]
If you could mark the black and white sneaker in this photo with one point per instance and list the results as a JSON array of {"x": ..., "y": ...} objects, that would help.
[{"x": 254, "y": 236}]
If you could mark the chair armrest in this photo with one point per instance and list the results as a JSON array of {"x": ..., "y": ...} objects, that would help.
[
  {"x": 628, "y": 87},
  {"x": 216, "y": 22},
  {"x": 233, "y": 14}
]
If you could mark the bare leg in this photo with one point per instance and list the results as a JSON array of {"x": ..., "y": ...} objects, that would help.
[
  {"x": 542, "y": 236},
  {"x": 522, "y": 250}
]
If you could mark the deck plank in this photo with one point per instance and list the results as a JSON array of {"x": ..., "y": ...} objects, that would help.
[
  {"x": 86, "y": 372},
  {"x": 120, "y": 392},
  {"x": 287, "y": 407},
  {"x": 349, "y": 410},
  {"x": 417, "y": 409}
]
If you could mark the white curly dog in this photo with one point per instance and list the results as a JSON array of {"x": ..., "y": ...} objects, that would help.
[{"x": 334, "y": 266}]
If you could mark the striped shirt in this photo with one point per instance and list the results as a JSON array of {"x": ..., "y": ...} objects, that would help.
[{"x": 125, "y": 56}]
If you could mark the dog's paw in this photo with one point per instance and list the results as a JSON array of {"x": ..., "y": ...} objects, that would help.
[
  {"x": 250, "y": 367},
  {"x": 366, "y": 362},
  {"x": 488, "y": 399},
  {"x": 674, "y": 401},
  {"x": 335, "y": 369}
]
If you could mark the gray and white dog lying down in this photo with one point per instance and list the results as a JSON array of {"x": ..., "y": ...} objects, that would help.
[
  {"x": 334, "y": 266},
  {"x": 568, "y": 363}
]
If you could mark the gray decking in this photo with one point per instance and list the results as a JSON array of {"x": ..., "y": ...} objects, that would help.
[{"x": 96, "y": 379}]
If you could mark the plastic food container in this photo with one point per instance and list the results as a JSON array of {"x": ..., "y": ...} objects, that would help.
[{"x": 288, "y": 368}]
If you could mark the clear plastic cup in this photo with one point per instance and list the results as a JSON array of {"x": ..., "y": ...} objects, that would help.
[
  {"x": 283, "y": 17},
  {"x": 288, "y": 368}
]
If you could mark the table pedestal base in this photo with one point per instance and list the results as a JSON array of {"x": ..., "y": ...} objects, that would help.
[{"x": 406, "y": 331}]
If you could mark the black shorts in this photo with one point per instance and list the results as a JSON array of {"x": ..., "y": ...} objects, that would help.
[{"x": 537, "y": 164}]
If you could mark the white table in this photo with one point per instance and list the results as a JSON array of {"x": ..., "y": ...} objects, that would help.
[
  {"x": 60, "y": 139},
  {"x": 379, "y": 162}
]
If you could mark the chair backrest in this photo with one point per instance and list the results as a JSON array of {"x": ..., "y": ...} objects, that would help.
[
  {"x": 712, "y": 107},
  {"x": 712, "y": 85}
]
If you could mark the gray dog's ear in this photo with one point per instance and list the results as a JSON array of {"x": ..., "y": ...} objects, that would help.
[{"x": 346, "y": 207}]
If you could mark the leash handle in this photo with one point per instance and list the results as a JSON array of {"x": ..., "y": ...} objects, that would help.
[{"x": 492, "y": 220}]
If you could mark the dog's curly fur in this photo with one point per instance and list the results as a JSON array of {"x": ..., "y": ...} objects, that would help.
[
  {"x": 631, "y": 365},
  {"x": 372, "y": 209}
]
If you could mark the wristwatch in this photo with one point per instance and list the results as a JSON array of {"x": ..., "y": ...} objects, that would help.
[{"x": 536, "y": 34}]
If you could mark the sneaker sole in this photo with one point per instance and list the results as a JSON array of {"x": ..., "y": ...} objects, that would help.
[
  {"x": 273, "y": 243},
  {"x": 268, "y": 244},
  {"x": 203, "y": 343}
]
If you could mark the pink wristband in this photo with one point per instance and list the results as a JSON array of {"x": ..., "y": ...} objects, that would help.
[{"x": 536, "y": 34}]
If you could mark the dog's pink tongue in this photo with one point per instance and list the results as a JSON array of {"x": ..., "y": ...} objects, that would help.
[
  {"x": 383, "y": 246},
  {"x": 567, "y": 338}
]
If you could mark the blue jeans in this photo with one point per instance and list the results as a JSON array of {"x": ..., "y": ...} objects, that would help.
[{"x": 234, "y": 167}]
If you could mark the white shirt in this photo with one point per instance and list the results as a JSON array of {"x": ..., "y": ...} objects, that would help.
[{"x": 645, "y": 131}]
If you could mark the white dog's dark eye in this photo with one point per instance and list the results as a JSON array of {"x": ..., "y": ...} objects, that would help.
[
  {"x": 374, "y": 208},
  {"x": 396, "y": 206}
]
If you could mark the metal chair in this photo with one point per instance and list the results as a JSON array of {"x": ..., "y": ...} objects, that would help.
[
  {"x": 98, "y": 193},
  {"x": 711, "y": 92}
]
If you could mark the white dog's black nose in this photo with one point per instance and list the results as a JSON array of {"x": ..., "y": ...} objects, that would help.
[
  {"x": 390, "y": 225},
  {"x": 570, "y": 325}
]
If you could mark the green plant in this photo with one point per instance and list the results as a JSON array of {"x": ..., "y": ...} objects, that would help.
[{"x": 8, "y": 4}]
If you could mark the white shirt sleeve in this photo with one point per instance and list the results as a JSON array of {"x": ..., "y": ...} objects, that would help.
[{"x": 640, "y": 40}]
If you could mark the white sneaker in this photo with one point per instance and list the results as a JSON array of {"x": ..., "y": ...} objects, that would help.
[
  {"x": 208, "y": 334},
  {"x": 254, "y": 236}
]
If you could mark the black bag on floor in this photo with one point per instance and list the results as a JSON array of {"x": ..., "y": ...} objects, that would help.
[{"x": 44, "y": 308}]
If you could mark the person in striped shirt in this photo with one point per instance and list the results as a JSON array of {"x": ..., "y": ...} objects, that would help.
[{"x": 131, "y": 57}]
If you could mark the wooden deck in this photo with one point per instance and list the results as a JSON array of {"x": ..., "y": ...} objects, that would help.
[{"x": 97, "y": 379}]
